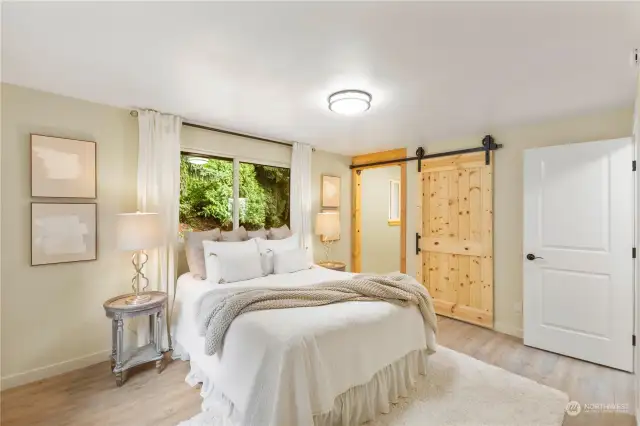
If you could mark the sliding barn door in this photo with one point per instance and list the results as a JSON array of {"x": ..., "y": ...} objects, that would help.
[{"x": 456, "y": 220}]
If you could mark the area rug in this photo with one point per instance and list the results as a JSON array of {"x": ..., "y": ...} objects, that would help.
[{"x": 461, "y": 391}]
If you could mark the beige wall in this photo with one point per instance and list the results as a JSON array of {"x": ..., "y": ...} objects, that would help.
[
  {"x": 334, "y": 165},
  {"x": 380, "y": 241},
  {"x": 52, "y": 316},
  {"x": 508, "y": 195}
]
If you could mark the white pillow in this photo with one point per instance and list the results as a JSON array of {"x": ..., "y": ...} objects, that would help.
[
  {"x": 269, "y": 247},
  {"x": 239, "y": 267},
  {"x": 213, "y": 249},
  {"x": 288, "y": 261}
]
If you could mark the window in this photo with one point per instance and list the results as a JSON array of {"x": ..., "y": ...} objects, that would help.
[
  {"x": 207, "y": 194},
  {"x": 265, "y": 191},
  {"x": 394, "y": 203}
]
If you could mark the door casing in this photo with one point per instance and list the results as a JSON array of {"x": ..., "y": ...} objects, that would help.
[{"x": 362, "y": 162}]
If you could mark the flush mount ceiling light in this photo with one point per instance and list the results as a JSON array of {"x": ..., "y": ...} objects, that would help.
[
  {"x": 197, "y": 160},
  {"x": 349, "y": 102}
]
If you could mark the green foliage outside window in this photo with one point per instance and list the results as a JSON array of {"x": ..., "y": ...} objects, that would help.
[{"x": 206, "y": 195}]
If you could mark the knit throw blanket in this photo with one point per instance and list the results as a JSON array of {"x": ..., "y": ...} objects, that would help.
[{"x": 217, "y": 313}]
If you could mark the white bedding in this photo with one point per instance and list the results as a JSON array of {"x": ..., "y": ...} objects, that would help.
[{"x": 282, "y": 367}]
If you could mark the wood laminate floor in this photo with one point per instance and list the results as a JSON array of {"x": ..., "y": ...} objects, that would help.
[{"x": 89, "y": 396}]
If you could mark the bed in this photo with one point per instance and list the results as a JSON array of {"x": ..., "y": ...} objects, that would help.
[{"x": 339, "y": 364}]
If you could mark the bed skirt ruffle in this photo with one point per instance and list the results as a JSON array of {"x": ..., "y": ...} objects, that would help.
[{"x": 355, "y": 406}]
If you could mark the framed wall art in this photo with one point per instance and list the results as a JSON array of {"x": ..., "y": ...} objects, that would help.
[
  {"x": 330, "y": 192},
  {"x": 62, "y": 168},
  {"x": 63, "y": 232}
]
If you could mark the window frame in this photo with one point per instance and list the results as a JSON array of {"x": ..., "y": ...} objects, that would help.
[
  {"x": 236, "y": 174},
  {"x": 394, "y": 220}
]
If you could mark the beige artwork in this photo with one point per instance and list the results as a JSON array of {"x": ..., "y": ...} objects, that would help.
[
  {"x": 62, "y": 233},
  {"x": 330, "y": 191},
  {"x": 62, "y": 168}
]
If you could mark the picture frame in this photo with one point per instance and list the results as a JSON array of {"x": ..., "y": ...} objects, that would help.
[
  {"x": 331, "y": 192},
  {"x": 63, "y": 233},
  {"x": 63, "y": 168}
]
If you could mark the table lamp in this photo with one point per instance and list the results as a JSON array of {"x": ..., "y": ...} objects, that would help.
[
  {"x": 138, "y": 232},
  {"x": 328, "y": 226}
]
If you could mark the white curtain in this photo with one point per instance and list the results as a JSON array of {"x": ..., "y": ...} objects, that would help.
[
  {"x": 301, "y": 220},
  {"x": 159, "y": 192}
]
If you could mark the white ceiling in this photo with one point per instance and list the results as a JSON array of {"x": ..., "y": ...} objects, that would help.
[{"x": 435, "y": 70}]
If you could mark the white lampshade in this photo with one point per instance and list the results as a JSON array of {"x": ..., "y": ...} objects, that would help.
[
  {"x": 138, "y": 231},
  {"x": 328, "y": 224}
]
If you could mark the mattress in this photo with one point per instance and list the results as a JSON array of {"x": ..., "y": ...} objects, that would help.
[{"x": 283, "y": 367}]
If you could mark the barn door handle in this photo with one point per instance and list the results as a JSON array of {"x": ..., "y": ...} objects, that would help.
[
  {"x": 532, "y": 256},
  {"x": 418, "y": 243}
]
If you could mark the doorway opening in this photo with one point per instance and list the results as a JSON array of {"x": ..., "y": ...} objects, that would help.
[{"x": 379, "y": 213}]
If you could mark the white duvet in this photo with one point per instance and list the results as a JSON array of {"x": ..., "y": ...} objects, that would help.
[{"x": 282, "y": 367}]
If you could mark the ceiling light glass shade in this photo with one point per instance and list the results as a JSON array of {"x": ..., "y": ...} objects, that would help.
[
  {"x": 197, "y": 160},
  {"x": 349, "y": 102}
]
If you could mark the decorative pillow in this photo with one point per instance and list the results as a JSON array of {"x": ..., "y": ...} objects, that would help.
[
  {"x": 239, "y": 234},
  {"x": 239, "y": 267},
  {"x": 260, "y": 233},
  {"x": 269, "y": 247},
  {"x": 279, "y": 233},
  {"x": 288, "y": 261},
  {"x": 214, "y": 249},
  {"x": 195, "y": 252},
  {"x": 266, "y": 259}
]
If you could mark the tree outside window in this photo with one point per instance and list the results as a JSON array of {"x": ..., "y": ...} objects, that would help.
[{"x": 206, "y": 195}]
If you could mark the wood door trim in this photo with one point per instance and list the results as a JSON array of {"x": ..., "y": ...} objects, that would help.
[
  {"x": 374, "y": 157},
  {"x": 356, "y": 221},
  {"x": 356, "y": 202}
]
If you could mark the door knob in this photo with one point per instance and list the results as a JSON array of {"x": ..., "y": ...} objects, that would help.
[{"x": 532, "y": 256}]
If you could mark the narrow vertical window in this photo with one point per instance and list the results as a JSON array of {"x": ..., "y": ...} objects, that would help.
[{"x": 394, "y": 203}]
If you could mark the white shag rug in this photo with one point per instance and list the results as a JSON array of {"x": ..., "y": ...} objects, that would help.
[{"x": 459, "y": 390}]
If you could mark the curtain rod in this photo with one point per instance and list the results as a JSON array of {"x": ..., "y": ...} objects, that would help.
[{"x": 229, "y": 132}]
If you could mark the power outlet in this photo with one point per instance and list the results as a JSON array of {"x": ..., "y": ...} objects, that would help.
[{"x": 517, "y": 307}]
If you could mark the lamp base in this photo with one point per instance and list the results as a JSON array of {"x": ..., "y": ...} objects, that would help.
[{"x": 138, "y": 299}]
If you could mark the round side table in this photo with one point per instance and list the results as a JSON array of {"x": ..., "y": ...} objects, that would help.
[
  {"x": 331, "y": 264},
  {"x": 117, "y": 309}
]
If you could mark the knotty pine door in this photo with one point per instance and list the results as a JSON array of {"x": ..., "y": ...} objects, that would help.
[{"x": 455, "y": 216}]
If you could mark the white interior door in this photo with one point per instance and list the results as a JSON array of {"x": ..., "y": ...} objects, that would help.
[{"x": 578, "y": 224}]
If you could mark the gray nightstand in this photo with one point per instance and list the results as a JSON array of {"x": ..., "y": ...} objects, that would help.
[{"x": 118, "y": 310}]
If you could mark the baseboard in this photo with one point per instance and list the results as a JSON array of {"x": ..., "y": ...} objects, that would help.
[
  {"x": 53, "y": 370},
  {"x": 508, "y": 329},
  {"x": 637, "y": 416}
]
